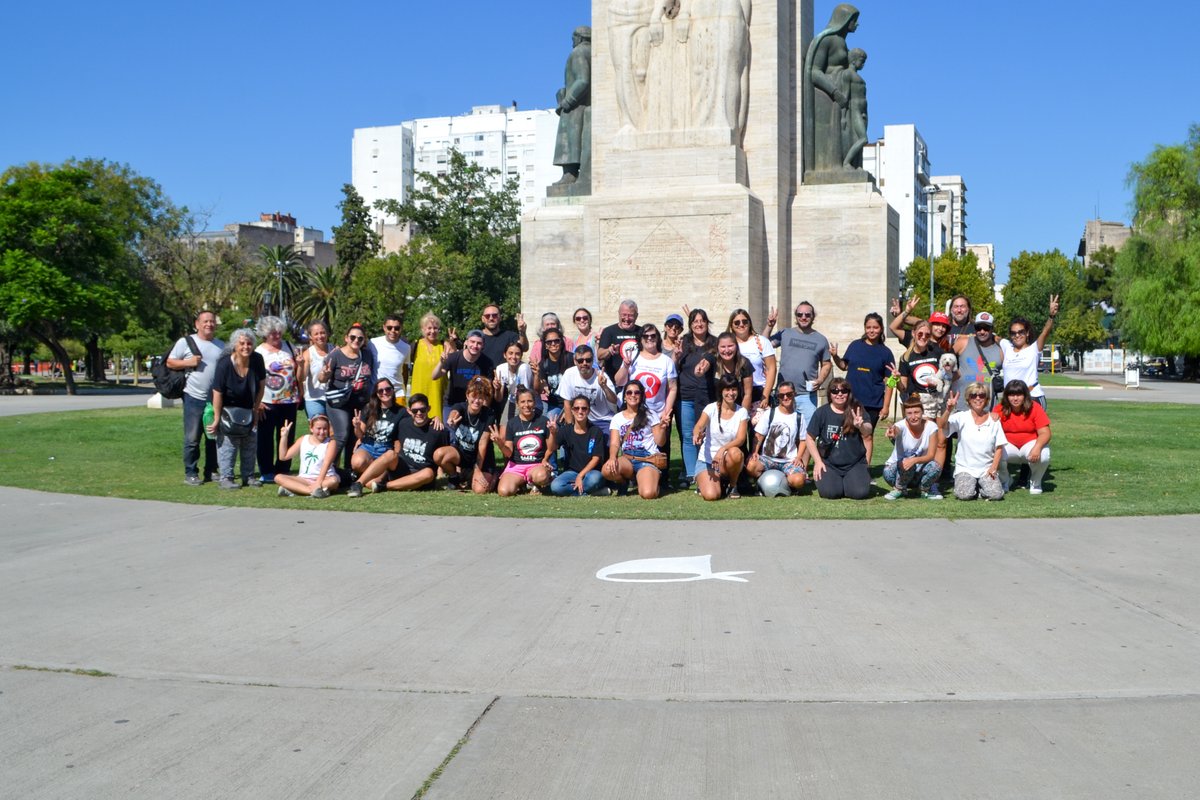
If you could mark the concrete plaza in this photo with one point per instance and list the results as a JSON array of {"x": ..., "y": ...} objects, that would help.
[{"x": 303, "y": 653}]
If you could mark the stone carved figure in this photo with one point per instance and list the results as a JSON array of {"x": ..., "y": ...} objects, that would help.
[
  {"x": 854, "y": 117},
  {"x": 573, "y": 147},
  {"x": 684, "y": 65},
  {"x": 826, "y": 138},
  {"x": 719, "y": 56},
  {"x": 628, "y": 44}
]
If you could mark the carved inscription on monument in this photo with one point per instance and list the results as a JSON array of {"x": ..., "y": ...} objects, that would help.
[{"x": 664, "y": 261}]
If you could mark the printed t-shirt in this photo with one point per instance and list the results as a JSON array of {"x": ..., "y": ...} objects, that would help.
[
  {"x": 655, "y": 374},
  {"x": 631, "y": 438},
  {"x": 383, "y": 433},
  {"x": 529, "y": 440},
  {"x": 468, "y": 432},
  {"x": 756, "y": 350},
  {"x": 461, "y": 371},
  {"x": 826, "y": 428},
  {"x": 627, "y": 341},
  {"x": 801, "y": 355},
  {"x": 867, "y": 370},
  {"x": 574, "y": 385},
  {"x": 417, "y": 444},
  {"x": 781, "y": 438},
  {"x": 280, "y": 384}
]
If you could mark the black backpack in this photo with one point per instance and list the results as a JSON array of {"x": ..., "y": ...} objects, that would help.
[{"x": 169, "y": 382}]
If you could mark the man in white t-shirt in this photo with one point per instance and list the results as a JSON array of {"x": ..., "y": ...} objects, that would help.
[
  {"x": 778, "y": 439},
  {"x": 390, "y": 353},
  {"x": 196, "y": 395},
  {"x": 584, "y": 380}
]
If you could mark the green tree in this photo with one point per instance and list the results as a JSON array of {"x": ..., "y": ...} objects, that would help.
[
  {"x": 355, "y": 240},
  {"x": 1033, "y": 278},
  {"x": 320, "y": 297},
  {"x": 1156, "y": 276},
  {"x": 281, "y": 274},
  {"x": 71, "y": 250},
  {"x": 953, "y": 274},
  {"x": 463, "y": 214},
  {"x": 412, "y": 281}
]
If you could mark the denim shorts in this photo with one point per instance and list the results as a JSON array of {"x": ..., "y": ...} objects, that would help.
[
  {"x": 374, "y": 450},
  {"x": 638, "y": 466}
]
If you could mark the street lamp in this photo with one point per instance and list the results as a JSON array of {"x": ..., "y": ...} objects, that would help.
[
  {"x": 927, "y": 193},
  {"x": 279, "y": 272}
]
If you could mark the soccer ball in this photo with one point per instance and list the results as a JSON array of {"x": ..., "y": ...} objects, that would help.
[{"x": 773, "y": 483}]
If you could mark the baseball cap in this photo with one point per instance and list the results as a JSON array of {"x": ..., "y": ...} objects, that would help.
[
  {"x": 939, "y": 318},
  {"x": 674, "y": 318},
  {"x": 984, "y": 318}
]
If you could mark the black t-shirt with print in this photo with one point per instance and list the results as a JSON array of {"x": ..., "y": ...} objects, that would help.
[
  {"x": 466, "y": 435},
  {"x": 417, "y": 444},
  {"x": 581, "y": 447},
  {"x": 921, "y": 369},
  {"x": 462, "y": 371},
  {"x": 528, "y": 439}
]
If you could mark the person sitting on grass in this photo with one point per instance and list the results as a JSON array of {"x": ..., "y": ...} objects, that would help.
[
  {"x": 915, "y": 454},
  {"x": 584, "y": 446},
  {"x": 779, "y": 440},
  {"x": 720, "y": 434},
  {"x": 376, "y": 429},
  {"x": 980, "y": 445},
  {"x": 1027, "y": 431},
  {"x": 410, "y": 465},
  {"x": 635, "y": 438},
  {"x": 835, "y": 443},
  {"x": 317, "y": 477},
  {"x": 528, "y": 444},
  {"x": 469, "y": 456}
]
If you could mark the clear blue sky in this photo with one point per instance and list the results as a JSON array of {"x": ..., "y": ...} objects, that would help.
[{"x": 248, "y": 107}]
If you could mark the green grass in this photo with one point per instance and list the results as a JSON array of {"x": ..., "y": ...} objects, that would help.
[{"x": 1110, "y": 459}]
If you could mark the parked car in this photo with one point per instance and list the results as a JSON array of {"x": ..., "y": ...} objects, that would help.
[{"x": 1155, "y": 367}]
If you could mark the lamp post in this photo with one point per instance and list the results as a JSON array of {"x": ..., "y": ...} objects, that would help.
[
  {"x": 279, "y": 273},
  {"x": 927, "y": 193}
]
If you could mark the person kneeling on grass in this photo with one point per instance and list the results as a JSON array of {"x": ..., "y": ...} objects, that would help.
[
  {"x": 719, "y": 435},
  {"x": 779, "y": 440},
  {"x": 635, "y": 437},
  {"x": 1027, "y": 431},
  {"x": 835, "y": 442},
  {"x": 376, "y": 427},
  {"x": 981, "y": 444},
  {"x": 469, "y": 459},
  {"x": 584, "y": 446},
  {"x": 528, "y": 444},
  {"x": 411, "y": 464},
  {"x": 915, "y": 455},
  {"x": 317, "y": 477}
]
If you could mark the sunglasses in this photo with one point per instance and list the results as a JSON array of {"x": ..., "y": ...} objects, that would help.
[
  {"x": 839, "y": 391},
  {"x": 583, "y": 319},
  {"x": 741, "y": 323},
  {"x": 1020, "y": 332},
  {"x": 979, "y": 328},
  {"x": 579, "y": 409},
  {"x": 391, "y": 327},
  {"x": 553, "y": 341},
  {"x": 354, "y": 338},
  {"x": 977, "y": 396},
  {"x": 633, "y": 393},
  {"x": 803, "y": 314},
  {"x": 491, "y": 316},
  {"x": 650, "y": 337},
  {"x": 419, "y": 410},
  {"x": 786, "y": 395},
  {"x": 385, "y": 391},
  {"x": 583, "y": 361}
]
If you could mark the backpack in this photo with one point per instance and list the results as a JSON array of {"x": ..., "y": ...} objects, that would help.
[{"x": 169, "y": 382}]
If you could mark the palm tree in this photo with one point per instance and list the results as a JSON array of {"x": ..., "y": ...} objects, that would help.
[
  {"x": 280, "y": 265},
  {"x": 318, "y": 300}
]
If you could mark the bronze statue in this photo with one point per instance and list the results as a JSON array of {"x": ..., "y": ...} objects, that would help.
[
  {"x": 573, "y": 147},
  {"x": 827, "y": 137}
]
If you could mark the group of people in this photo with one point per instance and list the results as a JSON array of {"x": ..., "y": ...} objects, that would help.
[{"x": 590, "y": 412}]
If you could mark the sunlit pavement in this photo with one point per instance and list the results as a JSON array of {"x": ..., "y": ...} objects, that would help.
[{"x": 267, "y": 653}]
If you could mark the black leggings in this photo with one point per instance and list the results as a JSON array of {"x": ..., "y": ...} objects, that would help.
[{"x": 854, "y": 483}]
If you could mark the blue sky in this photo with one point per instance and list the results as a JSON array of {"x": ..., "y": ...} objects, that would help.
[{"x": 240, "y": 108}]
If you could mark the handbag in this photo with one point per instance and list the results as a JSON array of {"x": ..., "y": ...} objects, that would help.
[
  {"x": 340, "y": 397},
  {"x": 658, "y": 459},
  {"x": 237, "y": 421}
]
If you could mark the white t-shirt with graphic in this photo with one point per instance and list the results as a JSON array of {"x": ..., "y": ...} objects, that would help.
[
  {"x": 908, "y": 445},
  {"x": 636, "y": 438},
  {"x": 654, "y": 373},
  {"x": 782, "y": 437}
]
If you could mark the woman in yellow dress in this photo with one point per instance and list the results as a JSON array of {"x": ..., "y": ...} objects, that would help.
[{"x": 427, "y": 352}]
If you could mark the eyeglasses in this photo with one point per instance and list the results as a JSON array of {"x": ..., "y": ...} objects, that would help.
[
  {"x": 579, "y": 409},
  {"x": 355, "y": 338},
  {"x": 742, "y": 323},
  {"x": 491, "y": 316},
  {"x": 921, "y": 334},
  {"x": 803, "y": 314},
  {"x": 391, "y": 327},
  {"x": 1019, "y": 332},
  {"x": 977, "y": 396},
  {"x": 841, "y": 390},
  {"x": 786, "y": 396},
  {"x": 419, "y": 410}
]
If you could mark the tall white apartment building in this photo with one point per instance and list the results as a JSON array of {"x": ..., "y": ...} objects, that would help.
[
  {"x": 387, "y": 161},
  {"x": 950, "y": 202},
  {"x": 899, "y": 162}
]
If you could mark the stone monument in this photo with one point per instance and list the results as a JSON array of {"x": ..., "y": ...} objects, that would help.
[
  {"x": 573, "y": 147},
  {"x": 696, "y": 136}
]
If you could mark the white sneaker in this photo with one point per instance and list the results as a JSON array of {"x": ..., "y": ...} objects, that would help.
[{"x": 1035, "y": 487}]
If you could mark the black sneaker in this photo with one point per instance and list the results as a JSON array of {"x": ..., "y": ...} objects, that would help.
[
  {"x": 193, "y": 480},
  {"x": 377, "y": 487},
  {"x": 355, "y": 490},
  {"x": 320, "y": 493}
]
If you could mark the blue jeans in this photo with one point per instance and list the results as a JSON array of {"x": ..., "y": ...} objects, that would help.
[
  {"x": 314, "y": 407},
  {"x": 564, "y": 484},
  {"x": 193, "y": 430},
  {"x": 688, "y": 414},
  {"x": 806, "y": 404}
]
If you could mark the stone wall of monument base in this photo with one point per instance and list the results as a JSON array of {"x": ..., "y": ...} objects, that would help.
[
  {"x": 845, "y": 257},
  {"x": 700, "y": 247}
]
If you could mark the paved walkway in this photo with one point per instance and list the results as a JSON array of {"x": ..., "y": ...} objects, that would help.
[{"x": 272, "y": 654}]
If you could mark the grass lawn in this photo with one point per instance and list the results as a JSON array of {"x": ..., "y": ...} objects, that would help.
[{"x": 1110, "y": 459}]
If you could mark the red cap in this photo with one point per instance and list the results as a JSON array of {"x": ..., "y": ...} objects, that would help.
[{"x": 939, "y": 317}]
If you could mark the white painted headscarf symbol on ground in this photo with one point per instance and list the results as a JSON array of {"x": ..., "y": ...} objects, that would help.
[{"x": 695, "y": 568}]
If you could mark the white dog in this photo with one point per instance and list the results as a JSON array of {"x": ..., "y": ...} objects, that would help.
[{"x": 947, "y": 366}]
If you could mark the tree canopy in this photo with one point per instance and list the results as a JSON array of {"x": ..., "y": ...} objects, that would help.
[
  {"x": 1156, "y": 277},
  {"x": 953, "y": 274},
  {"x": 1033, "y": 278}
]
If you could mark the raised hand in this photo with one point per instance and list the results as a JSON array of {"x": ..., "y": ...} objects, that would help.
[
  {"x": 1053, "y": 305},
  {"x": 912, "y": 303},
  {"x": 453, "y": 418},
  {"x": 521, "y": 322},
  {"x": 833, "y": 348},
  {"x": 772, "y": 317},
  {"x": 857, "y": 416},
  {"x": 895, "y": 308}
]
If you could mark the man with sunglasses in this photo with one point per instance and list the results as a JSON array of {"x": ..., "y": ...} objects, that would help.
[
  {"x": 804, "y": 358},
  {"x": 390, "y": 353},
  {"x": 418, "y": 440},
  {"x": 584, "y": 380},
  {"x": 980, "y": 357},
  {"x": 496, "y": 341}
]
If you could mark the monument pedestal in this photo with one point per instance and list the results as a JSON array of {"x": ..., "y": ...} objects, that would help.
[{"x": 845, "y": 241}]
